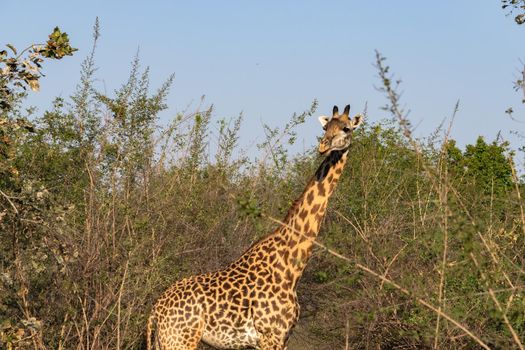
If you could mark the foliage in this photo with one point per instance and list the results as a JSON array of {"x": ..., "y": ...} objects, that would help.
[
  {"x": 515, "y": 5},
  {"x": 19, "y": 71},
  {"x": 274, "y": 145},
  {"x": 485, "y": 166},
  {"x": 98, "y": 215},
  {"x": 16, "y": 73}
]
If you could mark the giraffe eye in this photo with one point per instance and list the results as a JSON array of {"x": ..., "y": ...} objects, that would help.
[{"x": 346, "y": 129}]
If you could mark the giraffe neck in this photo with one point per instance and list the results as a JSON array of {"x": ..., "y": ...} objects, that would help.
[{"x": 303, "y": 221}]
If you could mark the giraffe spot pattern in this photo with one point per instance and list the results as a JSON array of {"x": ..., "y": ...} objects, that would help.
[{"x": 252, "y": 302}]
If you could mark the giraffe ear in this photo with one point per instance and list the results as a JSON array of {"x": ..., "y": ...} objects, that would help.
[
  {"x": 344, "y": 117},
  {"x": 357, "y": 120},
  {"x": 335, "y": 111},
  {"x": 323, "y": 120},
  {"x": 347, "y": 110}
]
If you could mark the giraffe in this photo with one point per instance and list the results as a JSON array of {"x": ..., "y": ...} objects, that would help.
[{"x": 252, "y": 303}]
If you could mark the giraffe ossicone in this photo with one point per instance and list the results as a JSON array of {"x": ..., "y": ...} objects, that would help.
[{"x": 252, "y": 303}]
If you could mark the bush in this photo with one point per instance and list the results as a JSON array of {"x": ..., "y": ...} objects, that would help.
[{"x": 99, "y": 215}]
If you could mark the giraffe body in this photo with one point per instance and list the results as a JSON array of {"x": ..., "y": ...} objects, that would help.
[
  {"x": 252, "y": 303},
  {"x": 231, "y": 308}
]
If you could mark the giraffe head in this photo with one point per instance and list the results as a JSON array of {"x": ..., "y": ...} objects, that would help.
[{"x": 338, "y": 130}]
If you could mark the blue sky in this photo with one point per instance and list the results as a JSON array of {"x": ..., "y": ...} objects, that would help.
[{"x": 269, "y": 59}]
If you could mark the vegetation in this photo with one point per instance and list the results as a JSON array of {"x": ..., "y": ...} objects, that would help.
[
  {"x": 101, "y": 209},
  {"x": 516, "y": 8}
]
